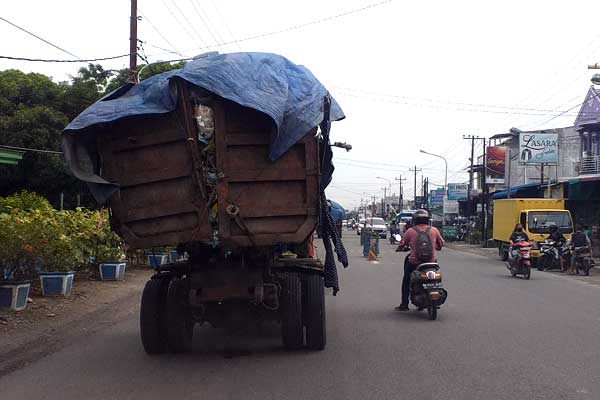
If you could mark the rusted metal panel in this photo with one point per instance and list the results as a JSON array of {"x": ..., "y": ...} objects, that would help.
[{"x": 157, "y": 162}]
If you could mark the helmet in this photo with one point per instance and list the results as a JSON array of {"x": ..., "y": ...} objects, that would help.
[
  {"x": 552, "y": 227},
  {"x": 420, "y": 217}
]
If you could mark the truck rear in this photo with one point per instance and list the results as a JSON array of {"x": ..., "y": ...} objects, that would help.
[
  {"x": 202, "y": 177},
  {"x": 536, "y": 216}
]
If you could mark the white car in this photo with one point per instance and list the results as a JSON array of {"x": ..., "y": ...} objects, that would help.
[
  {"x": 378, "y": 225},
  {"x": 361, "y": 222}
]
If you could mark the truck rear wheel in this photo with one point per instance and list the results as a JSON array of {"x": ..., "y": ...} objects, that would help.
[
  {"x": 292, "y": 332},
  {"x": 180, "y": 326},
  {"x": 314, "y": 312},
  {"x": 152, "y": 317}
]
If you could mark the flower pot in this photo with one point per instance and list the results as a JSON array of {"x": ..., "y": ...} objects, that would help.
[
  {"x": 112, "y": 271},
  {"x": 56, "y": 283},
  {"x": 14, "y": 294},
  {"x": 154, "y": 260},
  {"x": 173, "y": 256}
]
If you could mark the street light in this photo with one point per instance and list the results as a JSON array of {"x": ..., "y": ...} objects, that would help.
[{"x": 446, "y": 161}]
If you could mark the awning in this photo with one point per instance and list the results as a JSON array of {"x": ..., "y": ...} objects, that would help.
[
  {"x": 527, "y": 190},
  {"x": 10, "y": 157}
]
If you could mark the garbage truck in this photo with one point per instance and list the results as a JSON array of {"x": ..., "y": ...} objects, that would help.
[{"x": 227, "y": 159}]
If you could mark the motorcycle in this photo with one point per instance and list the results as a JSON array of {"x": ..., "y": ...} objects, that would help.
[
  {"x": 583, "y": 260},
  {"x": 549, "y": 255},
  {"x": 395, "y": 236},
  {"x": 521, "y": 263},
  {"x": 426, "y": 290}
]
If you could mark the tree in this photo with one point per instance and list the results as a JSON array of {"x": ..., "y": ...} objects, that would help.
[{"x": 34, "y": 110}]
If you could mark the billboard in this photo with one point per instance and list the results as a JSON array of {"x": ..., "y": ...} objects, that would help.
[
  {"x": 450, "y": 207},
  {"x": 436, "y": 197},
  {"x": 538, "y": 148},
  {"x": 458, "y": 191},
  {"x": 495, "y": 162}
]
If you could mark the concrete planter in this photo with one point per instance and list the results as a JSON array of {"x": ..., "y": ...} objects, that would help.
[
  {"x": 14, "y": 294},
  {"x": 56, "y": 283},
  {"x": 112, "y": 271}
]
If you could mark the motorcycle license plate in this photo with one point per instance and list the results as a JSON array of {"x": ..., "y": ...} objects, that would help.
[{"x": 433, "y": 285}]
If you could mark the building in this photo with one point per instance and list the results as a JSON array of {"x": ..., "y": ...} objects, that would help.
[
  {"x": 588, "y": 127},
  {"x": 569, "y": 156}
]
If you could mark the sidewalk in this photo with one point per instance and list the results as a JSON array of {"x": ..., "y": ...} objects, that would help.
[
  {"x": 48, "y": 323},
  {"x": 473, "y": 249},
  {"x": 492, "y": 253}
]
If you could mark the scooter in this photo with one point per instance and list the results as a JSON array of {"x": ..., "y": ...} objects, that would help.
[
  {"x": 395, "y": 237},
  {"x": 521, "y": 263},
  {"x": 426, "y": 290},
  {"x": 549, "y": 255},
  {"x": 583, "y": 260}
]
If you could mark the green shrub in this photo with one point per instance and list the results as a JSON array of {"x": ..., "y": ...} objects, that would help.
[
  {"x": 25, "y": 201},
  {"x": 33, "y": 239}
]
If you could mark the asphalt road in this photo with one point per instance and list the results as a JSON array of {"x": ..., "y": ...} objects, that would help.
[{"x": 497, "y": 337}]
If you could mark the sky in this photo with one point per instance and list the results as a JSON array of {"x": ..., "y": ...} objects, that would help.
[{"x": 408, "y": 75}]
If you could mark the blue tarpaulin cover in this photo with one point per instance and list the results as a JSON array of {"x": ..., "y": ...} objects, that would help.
[
  {"x": 337, "y": 211},
  {"x": 288, "y": 93},
  {"x": 269, "y": 83}
]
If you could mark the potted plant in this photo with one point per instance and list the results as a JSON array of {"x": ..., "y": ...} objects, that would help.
[
  {"x": 110, "y": 258},
  {"x": 14, "y": 287},
  {"x": 17, "y": 261},
  {"x": 58, "y": 251}
]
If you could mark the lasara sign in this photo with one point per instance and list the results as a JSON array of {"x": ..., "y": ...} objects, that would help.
[{"x": 538, "y": 148}]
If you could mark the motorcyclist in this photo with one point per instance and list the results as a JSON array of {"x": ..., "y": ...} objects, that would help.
[
  {"x": 420, "y": 223},
  {"x": 578, "y": 240},
  {"x": 559, "y": 240},
  {"x": 517, "y": 236}
]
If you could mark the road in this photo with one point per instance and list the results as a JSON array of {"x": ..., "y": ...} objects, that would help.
[{"x": 496, "y": 338}]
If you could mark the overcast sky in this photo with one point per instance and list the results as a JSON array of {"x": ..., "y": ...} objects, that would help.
[{"x": 409, "y": 75}]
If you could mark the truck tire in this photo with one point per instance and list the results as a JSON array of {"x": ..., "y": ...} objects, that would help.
[
  {"x": 313, "y": 307},
  {"x": 152, "y": 317},
  {"x": 292, "y": 330},
  {"x": 180, "y": 326}
]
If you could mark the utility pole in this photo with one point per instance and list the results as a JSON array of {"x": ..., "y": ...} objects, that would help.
[
  {"x": 383, "y": 202},
  {"x": 400, "y": 194},
  {"x": 133, "y": 42},
  {"x": 484, "y": 199},
  {"x": 415, "y": 170},
  {"x": 426, "y": 192},
  {"x": 472, "y": 138}
]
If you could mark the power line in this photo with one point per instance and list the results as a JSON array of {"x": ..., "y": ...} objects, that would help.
[
  {"x": 37, "y": 37},
  {"x": 189, "y": 23},
  {"x": 210, "y": 32},
  {"x": 224, "y": 21},
  {"x": 440, "y": 107},
  {"x": 161, "y": 35},
  {"x": 179, "y": 22},
  {"x": 63, "y": 61},
  {"x": 296, "y": 27},
  {"x": 433, "y": 100}
]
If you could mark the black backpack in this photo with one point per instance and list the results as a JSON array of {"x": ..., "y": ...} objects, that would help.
[{"x": 424, "y": 247}]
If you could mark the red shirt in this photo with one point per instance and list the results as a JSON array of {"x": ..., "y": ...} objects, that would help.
[{"x": 410, "y": 238}]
